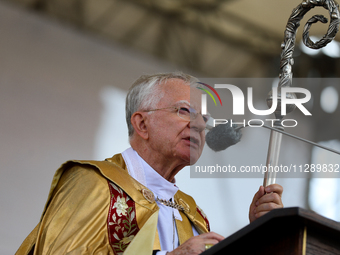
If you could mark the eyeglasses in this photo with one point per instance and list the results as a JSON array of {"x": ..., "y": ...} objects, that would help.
[{"x": 186, "y": 113}]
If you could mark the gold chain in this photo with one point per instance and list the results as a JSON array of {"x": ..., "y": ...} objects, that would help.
[{"x": 170, "y": 204}]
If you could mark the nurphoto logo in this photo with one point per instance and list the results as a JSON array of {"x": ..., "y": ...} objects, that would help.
[{"x": 239, "y": 103}]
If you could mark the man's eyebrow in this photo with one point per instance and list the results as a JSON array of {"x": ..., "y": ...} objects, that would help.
[{"x": 183, "y": 101}]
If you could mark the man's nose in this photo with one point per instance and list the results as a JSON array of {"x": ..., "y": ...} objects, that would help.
[{"x": 198, "y": 123}]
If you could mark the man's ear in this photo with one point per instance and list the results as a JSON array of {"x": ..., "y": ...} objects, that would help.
[{"x": 138, "y": 122}]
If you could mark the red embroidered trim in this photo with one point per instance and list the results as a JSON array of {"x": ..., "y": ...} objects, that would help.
[
  {"x": 121, "y": 222},
  {"x": 199, "y": 210}
]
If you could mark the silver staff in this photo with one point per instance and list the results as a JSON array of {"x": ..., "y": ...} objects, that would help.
[{"x": 287, "y": 63}]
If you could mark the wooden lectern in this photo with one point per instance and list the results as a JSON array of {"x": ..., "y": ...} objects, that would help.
[{"x": 292, "y": 231}]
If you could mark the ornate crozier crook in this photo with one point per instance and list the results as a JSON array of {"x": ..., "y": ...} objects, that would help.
[{"x": 287, "y": 63}]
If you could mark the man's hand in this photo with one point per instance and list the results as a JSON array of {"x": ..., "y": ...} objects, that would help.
[
  {"x": 196, "y": 245},
  {"x": 265, "y": 200}
]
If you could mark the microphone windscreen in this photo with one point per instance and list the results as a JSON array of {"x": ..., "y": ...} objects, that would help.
[{"x": 223, "y": 136}]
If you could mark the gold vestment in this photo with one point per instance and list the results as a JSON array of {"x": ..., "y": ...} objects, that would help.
[{"x": 75, "y": 218}]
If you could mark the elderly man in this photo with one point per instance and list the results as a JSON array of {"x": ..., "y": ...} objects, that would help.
[{"x": 130, "y": 202}]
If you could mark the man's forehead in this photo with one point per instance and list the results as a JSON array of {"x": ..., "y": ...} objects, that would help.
[{"x": 181, "y": 92}]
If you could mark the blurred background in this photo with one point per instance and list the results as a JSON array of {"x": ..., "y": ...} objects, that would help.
[{"x": 66, "y": 65}]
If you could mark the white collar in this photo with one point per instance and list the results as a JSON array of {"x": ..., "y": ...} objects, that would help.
[
  {"x": 146, "y": 175},
  {"x": 161, "y": 187}
]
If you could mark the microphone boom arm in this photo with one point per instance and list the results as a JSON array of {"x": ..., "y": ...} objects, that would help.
[{"x": 293, "y": 136}]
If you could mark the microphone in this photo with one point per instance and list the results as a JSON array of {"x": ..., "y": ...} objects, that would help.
[{"x": 222, "y": 136}]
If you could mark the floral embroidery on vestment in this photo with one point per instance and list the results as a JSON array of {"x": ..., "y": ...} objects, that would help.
[{"x": 121, "y": 223}]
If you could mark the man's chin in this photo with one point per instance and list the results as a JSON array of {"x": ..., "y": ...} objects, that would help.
[
  {"x": 193, "y": 158},
  {"x": 190, "y": 157},
  {"x": 192, "y": 162},
  {"x": 188, "y": 160}
]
